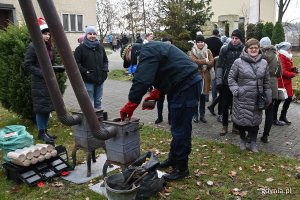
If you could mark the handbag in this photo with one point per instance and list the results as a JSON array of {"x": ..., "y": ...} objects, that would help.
[
  {"x": 282, "y": 93},
  {"x": 261, "y": 96}
]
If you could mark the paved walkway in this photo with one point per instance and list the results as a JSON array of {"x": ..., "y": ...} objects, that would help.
[{"x": 284, "y": 140}]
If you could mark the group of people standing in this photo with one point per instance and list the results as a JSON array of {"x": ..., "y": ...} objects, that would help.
[
  {"x": 239, "y": 72},
  {"x": 244, "y": 73}
]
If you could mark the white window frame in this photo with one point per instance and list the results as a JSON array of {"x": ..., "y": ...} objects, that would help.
[{"x": 69, "y": 22}]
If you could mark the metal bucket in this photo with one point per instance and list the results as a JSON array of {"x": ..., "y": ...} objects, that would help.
[{"x": 115, "y": 194}]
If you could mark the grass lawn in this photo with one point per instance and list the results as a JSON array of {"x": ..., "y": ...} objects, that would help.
[{"x": 234, "y": 174}]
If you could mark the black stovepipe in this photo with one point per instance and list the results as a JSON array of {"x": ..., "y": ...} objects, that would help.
[{"x": 61, "y": 41}]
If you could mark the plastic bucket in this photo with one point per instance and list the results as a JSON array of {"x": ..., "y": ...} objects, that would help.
[{"x": 115, "y": 194}]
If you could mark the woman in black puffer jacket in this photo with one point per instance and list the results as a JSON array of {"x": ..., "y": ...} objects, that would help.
[{"x": 42, "y": 104}]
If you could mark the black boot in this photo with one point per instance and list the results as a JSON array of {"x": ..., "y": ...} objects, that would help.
[
  {"x": 284, "y": 119},
  {"x": 50, "y": 135},
  {"x": 43, "y": 136},
  {"x": 181, "y": 171},
  {"x": 158, "y": 120},
  {"x": 285, "y": 107},
  {"x": 169, "y": 162},
  {"x": 211, "y": 110},
  {"x": 264, "y": 138}
]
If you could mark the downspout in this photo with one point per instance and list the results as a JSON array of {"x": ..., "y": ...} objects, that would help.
[{"x": 70, "y": 64}]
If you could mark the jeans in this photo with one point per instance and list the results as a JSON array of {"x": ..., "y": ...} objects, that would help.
[
  {"x": 42, "y": 120},
  {"x": 95, "y": 92},
  {"x": 183, "y": 105}
]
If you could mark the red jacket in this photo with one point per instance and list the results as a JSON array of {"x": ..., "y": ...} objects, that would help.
[{"x": 287, "y": 74}]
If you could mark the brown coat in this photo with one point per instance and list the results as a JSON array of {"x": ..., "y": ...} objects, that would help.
[{"x": 204, "y": 73}]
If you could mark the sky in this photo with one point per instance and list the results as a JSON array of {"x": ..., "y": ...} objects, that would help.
[{"x": 292, "y": 12}]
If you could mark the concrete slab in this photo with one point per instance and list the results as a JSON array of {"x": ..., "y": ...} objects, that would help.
[{"x": 78, "y": 176}]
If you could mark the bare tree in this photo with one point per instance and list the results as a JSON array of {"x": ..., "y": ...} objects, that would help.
[
  {"x": 282, "y": 6},
  {"x": 105, "y": 17}
]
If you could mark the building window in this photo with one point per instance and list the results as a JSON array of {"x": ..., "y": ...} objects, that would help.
[{"x": 72, "y": 22}]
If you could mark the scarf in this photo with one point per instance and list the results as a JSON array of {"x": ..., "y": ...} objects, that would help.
[
  {"x": 200, "y": 53},
  {"x": 286, "y": 54},
  {"x": 90, "y": 44}
]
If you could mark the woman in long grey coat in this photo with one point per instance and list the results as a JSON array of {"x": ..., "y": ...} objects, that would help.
[{"x": 246, "y": 72}]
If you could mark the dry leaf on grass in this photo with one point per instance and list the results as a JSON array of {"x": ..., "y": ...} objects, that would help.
[
  {"x": 269, "y": 179},
  {"x": 198, "y": 197},
  {"x": 297, "y": 168},
  {"x": 238, "y": 192},
  {"x": 260, "y": 169},
  {"x": 199, "y": 183},
  {"x": 198, "y": 172},
  {"x": 232, "y": 174}
]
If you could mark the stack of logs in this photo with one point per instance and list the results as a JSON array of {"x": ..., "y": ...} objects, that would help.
[{"x": 31, "y": 155}]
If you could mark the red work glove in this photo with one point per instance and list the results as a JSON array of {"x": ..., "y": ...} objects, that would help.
[
  {"x": 154, "y": 95},
  {"x": 127, "y": 110}
]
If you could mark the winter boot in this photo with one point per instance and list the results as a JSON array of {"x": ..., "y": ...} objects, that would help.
[
  {"x": 224, "y": 131},
  {"x": 43, "y": 136},
  {"x": 242, "y": 144},
  {"x": 264, "y": 138},
  {"x": 180, "y": 171},
  {"x": 285, "y": 107},
  {"x": 284, "y": 119},
  {"x": 203, "y": 120},
  {"x": 50, "y": 135},
  {"x": 169, "y": 162},
  {"x": 253, "y": 147},
  {"x": 159, "y": 119},
  {"x": 211, "y": 109}
]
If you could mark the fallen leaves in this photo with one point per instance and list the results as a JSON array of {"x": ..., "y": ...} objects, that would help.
[
  {"x": 198, "y": 173},
  {"x": 239, "y": 192},
  {"x": 232, "y": 174},
  {"x": 269, "y": 179}
]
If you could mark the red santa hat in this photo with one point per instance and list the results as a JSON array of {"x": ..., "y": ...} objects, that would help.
[{"x": 43, "y": 26}]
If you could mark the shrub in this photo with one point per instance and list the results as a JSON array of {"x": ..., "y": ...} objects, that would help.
[
  {"x": 242, "y": 29},
  {"x": 268, "y": 29},
  {"x": 15, "y": 84},
  {"x": 277, "y": 34},
  {"x": 250, "y": 33},
  {"x": 259, "y": 31}
]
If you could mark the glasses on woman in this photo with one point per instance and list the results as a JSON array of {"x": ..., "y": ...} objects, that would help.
[{"x": 253, "y": 48}]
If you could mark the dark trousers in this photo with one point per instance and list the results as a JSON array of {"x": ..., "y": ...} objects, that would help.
[
  {"x": 285, "y": 107},
  {"x": 226, "y": 99},
  {"x": 160, "y": 107},
  {"x": 215, "y": 102},
  {"x": 183, "y": 105},
  {"x": 268, "y": 119},
  {"x": 201, "y": 106},
  {"x": 252, "y": 132}
]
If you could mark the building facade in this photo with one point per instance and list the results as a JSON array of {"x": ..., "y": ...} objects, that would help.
[
  {"x": 74, "y": 15},
  {"x": 233, "y": 12}
]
